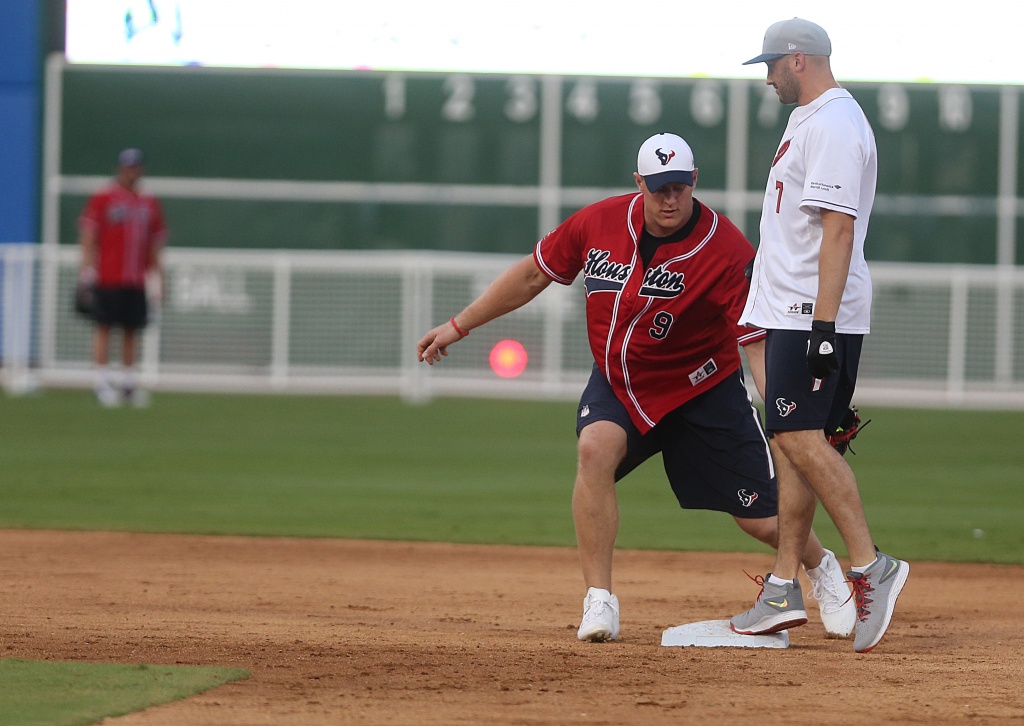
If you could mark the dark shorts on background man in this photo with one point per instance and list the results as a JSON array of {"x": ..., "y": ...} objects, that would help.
[
  {"x": 122, "y": 307},
  {"x": 792, "y": 403},
  {"x": 713, "y": 448}
]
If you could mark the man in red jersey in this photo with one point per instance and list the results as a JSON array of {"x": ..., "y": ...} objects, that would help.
[
  {"x": 121, "y": 234},
  {"x": 666, "y": 278}
]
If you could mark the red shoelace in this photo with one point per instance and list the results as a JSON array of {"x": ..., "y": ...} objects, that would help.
[
  {"x": 758, "y": 580},
  {"x": 862, "y": 596}
]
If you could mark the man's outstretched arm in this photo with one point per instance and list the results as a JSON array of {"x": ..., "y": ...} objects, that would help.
[{"x": 512, "y": 289}]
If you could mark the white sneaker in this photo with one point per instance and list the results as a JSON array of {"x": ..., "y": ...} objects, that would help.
[
  {"x": 108, "y": 396},
  {"x": 137, "y": 397},
  {"x": 600, "y": 616},
  {"x": 829, "y": 588}
]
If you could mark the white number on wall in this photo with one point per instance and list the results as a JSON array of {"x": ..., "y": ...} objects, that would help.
[
  {"x": 394, "y": 96},
  {"x": 956, "y": 110},
  {"x": 707, "y": 106},
  {"x": 893, "y": 107},
  {"x": 644, "y": 103},
  {"x": 522, "y": 103},
  {"x": 458, "y": 103},
  {"x": 582, "y": 102},
  {"x": 769, "y": 110}
]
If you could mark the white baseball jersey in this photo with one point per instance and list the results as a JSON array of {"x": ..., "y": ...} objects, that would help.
[{"x": 827, "y": 160}]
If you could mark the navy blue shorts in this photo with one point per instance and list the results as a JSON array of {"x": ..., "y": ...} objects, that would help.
[
  {"x": 121, "y": 307},
  {"x": 713, "y": 447},
  {"x": 791, "y": 403}
]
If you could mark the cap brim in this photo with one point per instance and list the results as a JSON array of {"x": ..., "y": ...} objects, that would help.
[
  {"x": 764, "y": 58},
  {"x": 655, "y": 182}
]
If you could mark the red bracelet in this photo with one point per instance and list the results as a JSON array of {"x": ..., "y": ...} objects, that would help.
[{"x": 458, "y": 330}]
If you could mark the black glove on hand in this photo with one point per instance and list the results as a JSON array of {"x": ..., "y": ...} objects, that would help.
[{"x": 821, "y": 349}]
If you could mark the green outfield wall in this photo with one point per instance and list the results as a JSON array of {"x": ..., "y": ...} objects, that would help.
[{"x": 375, "y": 160}]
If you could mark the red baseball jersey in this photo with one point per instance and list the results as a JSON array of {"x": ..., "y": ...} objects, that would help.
[
  {"x": 128, "y": 225},
  {"x": 665, "y": 333}
]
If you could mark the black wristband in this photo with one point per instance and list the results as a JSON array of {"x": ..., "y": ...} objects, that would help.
[{"x": 823, "y": 326}]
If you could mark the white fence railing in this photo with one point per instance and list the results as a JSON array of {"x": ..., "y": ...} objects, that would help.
[{"x": 348, "y": 322}]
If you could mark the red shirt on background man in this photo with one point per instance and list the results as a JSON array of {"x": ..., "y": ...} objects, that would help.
[{"x": 128, "y": 227}]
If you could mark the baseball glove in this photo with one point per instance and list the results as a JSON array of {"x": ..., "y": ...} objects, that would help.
[
  {"x": 85, "y": 299},
  {"x": 847, "y": 431}
]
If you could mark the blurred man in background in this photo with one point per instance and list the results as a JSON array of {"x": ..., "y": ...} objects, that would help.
[{"x": 121, "y": 234}]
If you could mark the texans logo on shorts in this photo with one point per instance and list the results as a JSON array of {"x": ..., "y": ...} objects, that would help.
[
  {"x": 785, "y": 407},
  {"x": 746, "y": 498}
]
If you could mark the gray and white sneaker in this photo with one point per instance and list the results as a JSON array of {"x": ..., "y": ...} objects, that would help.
[
  {"x": 600, "y": 616},
  {"x": 875, "y": 593},
  {"x": 835, "y": 602},
  {"x": 777, "y": 607}
]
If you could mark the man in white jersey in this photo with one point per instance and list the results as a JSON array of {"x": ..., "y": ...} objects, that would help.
[{"x": 811, "y": 291}]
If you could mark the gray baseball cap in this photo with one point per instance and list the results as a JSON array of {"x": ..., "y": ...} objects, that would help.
[
  {"x": 131, "y": 157},
  {"x": 792, "y": 36}
]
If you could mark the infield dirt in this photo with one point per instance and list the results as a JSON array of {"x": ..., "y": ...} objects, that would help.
[{"x": 368, "y": 632}]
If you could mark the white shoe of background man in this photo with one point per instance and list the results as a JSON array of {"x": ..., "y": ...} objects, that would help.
[
  {"x": 108, "y": 396},
  {"x": 829, "y": 588},
  {"x": 600, "y": 616},
  {"x": 137, "y": 397}
]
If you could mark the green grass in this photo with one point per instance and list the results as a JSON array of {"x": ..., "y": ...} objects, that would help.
[
  {"x": 938, "y": 485},
  {"x": 68, "y": 694}
]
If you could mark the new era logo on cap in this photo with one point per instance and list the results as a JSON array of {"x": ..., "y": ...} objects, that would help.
[{"x": 665, "y": 159}]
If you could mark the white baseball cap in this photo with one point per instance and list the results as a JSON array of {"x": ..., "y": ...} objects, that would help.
[
  {"x": 665, "y": 159},
  {"x": 793, "y": 36}
]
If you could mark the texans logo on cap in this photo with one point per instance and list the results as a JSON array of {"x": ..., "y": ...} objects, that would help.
[{"x": 665, "y": 158}]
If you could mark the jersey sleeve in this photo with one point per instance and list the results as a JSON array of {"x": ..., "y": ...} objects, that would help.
[
  {"x": 92, "y": 214},
  {"x": 836, "y": 160},
  {"x": 558, "y": 254},
  {"x": 734, "y": 286},
  {"x": 751, "y": 335}
]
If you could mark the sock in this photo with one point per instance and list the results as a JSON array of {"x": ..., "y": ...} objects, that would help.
[
  {"x": 864, "y": 568},
  {"x": 130, "y": 380},
  {"x": 104, "y": 377},
  {"x": 778, "y": 581}
]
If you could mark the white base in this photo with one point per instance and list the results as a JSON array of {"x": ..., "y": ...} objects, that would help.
[{"x": 717, "y": 633}]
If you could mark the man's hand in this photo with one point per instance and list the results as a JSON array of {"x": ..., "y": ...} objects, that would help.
[
  {"x": 435, "y": 344},
  {"x": 822, "y": 359},
  {"x": 85, "y": 292},
  {"x": 87, "y": 275}
]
